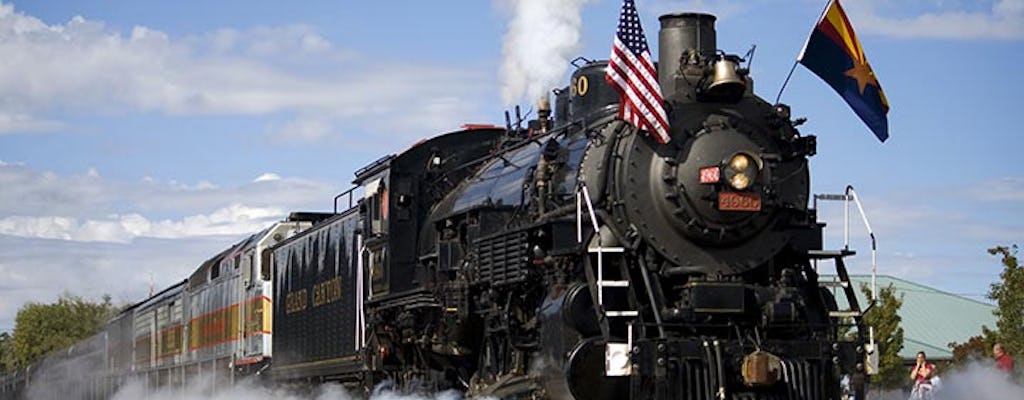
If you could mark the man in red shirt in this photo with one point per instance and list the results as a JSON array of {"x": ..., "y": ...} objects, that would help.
[{"x": 1003, "y": 360}]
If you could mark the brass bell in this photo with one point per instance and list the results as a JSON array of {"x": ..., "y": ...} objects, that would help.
[{"x": 726, "y": 83}]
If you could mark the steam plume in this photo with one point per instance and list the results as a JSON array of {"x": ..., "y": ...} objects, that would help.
[
  {"x": 976, "y": 381},
  {"x": 980, "y": 381},
  {"x": 202, "y": 390},
  {"x": 542, "y": 37}
]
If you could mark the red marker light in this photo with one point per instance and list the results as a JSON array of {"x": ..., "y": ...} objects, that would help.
[{"x": 710, "y": 174}]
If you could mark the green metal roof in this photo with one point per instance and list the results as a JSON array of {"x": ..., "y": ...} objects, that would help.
[{"x": 931, "y": 318}]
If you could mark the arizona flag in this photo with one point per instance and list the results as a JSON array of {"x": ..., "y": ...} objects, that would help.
[{"x": 834, "y": 54}]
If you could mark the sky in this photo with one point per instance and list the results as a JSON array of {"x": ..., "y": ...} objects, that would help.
[{"x": 138, "y": 138}]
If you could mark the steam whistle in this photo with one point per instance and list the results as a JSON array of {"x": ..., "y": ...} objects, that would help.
[{"x": 543, "y": 113}]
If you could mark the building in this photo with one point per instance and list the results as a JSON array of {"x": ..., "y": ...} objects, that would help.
[{"x": 931, "y": 318}]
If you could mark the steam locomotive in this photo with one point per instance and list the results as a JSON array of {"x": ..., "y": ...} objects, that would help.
[
  {"x": 575, "y": 258},
  {"x": 583, "y": 259}
]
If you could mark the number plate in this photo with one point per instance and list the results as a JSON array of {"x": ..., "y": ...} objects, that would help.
[{"x": 736, "y": 201}]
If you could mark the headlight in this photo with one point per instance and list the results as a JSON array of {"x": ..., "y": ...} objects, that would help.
[
  {"x": 739, "y": 181},
  {"x": 742, "y": 169},
  {"x": 739, "y": 162}
]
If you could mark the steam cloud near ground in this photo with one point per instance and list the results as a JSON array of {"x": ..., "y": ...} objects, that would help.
[
  {"x": 542, "y": 37},
  {"x": 978, "y": 381},
  {"x": 246, "y": 389},
  {"x": 250, "y": 391}
]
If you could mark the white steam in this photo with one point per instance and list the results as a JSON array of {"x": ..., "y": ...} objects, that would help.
[
  {"x": 979, "y": 380},
  {"x": 541, "y": 39},
  {"x": 68, "y": 380},
  {"x": 250, "y": 390}
]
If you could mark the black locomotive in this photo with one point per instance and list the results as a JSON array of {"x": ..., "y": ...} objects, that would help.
[
  {"x": 581, "y": 259},
  {"x": 576, "y": 258}
]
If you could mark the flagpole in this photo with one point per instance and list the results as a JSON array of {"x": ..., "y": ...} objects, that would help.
[
  {"x": 798, "y": 58},
  {"x": 786, "y": 82}
]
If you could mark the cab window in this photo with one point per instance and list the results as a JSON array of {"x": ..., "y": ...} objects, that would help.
[{"x": 377, "y": 207}]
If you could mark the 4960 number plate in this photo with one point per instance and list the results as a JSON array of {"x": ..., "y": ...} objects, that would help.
[{"x": 736, "y": 201}]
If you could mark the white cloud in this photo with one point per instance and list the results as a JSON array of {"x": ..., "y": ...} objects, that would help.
[
  {"x": 956, "y": 230},
  {"x": 26, "y": 190},
  {"x": 21, "y": 123},
  {"x": 34, "y": 269},
  {"x": 1005, "y": 20},
  {"x": 73, "y": 232},
  {"x": 90, "y": 197},
  {"x": 233, "y": 220},
  {"x": 83, "y": 65},
  {"x": 267, "y": 177},
  {"x": 88, "y": 208},
  {"x": 204, "y": 185},
  {"x": 1010, "y": 189},
  {"x": 304, "y": 129}
]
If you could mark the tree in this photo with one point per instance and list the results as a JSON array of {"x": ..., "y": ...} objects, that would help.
[
  {"x": 975, "y": 348},
  {"x": 5, "y": 342},
  {"x": 884, "y": 317},
  {"x": 42, "y": 328},
  {"x": 1009, "y": 298}
]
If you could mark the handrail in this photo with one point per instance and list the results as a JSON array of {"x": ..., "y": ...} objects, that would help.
[
  {"x": 347, "y": 192},
  {"x": 590, "y": 210},
  {"x": 597, "y": 232},
  {"x": 851, "y": 195},
  {"x": 600, "y": 254}
]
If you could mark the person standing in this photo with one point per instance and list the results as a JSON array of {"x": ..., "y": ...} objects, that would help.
[
  {"x": 923, "y": 370},
  {"x": 922, "y": 374},
  {"x": 1003, "y": 361}
]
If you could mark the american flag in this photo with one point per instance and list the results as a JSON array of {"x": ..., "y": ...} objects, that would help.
[{"x": 631, "y": 72}]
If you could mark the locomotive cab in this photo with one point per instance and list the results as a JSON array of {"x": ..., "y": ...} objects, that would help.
[{"x": 374, "y": 211}]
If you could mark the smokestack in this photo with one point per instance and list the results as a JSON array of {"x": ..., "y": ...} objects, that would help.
[{"x": 679, "y": 33}]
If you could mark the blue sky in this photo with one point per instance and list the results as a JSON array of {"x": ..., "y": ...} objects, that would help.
[{"x": 139, "y": 137}]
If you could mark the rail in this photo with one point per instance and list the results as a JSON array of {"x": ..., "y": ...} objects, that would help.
[
  {"x": 850, "y": 196},
  {"x": 342, "y": 194},
  {"x": 616, "y": 355}
]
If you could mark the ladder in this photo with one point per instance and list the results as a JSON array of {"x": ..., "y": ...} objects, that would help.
[
  {"x": 843, "y": 277},
  {"x": 850, "y": 196},
  {"x": 610, "y": 292},
  {"x": 843, "y": 282}
]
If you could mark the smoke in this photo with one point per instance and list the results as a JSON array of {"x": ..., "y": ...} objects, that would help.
[
  {"x": 72, "y": 379},
  {"x": 252, "y": 390},
  {"x": 542, "y": 38},
  {"x": 977, "y": 381}
]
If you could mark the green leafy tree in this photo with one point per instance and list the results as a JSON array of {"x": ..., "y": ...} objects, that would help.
[
  {"x": 885, "y": 319},
  {"x": 5, "y": 341},
  {"x": 1009, "y": 297},
  {"x": 42, "y": 328},
  {"x": 975, "y": 348}
]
